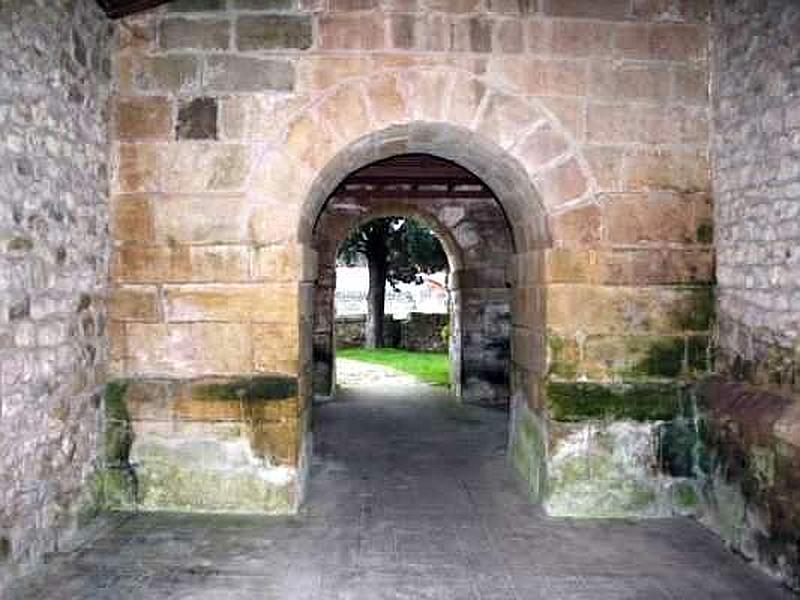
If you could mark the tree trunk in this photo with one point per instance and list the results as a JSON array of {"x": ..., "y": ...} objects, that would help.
[{"x": 375, "y": 299}]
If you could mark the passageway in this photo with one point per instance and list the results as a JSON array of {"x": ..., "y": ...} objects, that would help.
[{"x": 411, "y": 499}]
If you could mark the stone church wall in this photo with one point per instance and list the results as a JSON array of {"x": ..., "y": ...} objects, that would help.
[
  {"x": 54, "y": 85},
  {"x": 754, "y": 411},
  {"x": 226, "y": 113}
]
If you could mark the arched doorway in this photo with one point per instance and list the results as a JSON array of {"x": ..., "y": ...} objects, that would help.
[
  {"x": 464, "y": 214},
  {"x": 504, "y": 286}
]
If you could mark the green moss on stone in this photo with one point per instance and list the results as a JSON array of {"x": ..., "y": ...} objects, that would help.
[
  {"x": 698, "y": 313},
  {"x": 705, "y": 233},
  {"x": 118, "y": 435},
  {"x": 577, "y": 401},
  {"x": 664, "y": 358},
  {"x": 265, "y": 387},
  {"x": 563, "y": 357},
  {"x": 173, "y": 486}
]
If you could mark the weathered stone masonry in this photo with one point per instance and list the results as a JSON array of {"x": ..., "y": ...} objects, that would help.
[
  {"x": 752, "y": 470},
  {"x": 234, "y": 120},
  {"x": 54, "y": 250}
]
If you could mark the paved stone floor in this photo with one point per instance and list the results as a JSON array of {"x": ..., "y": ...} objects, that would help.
[{"x": 410, "y": 499}]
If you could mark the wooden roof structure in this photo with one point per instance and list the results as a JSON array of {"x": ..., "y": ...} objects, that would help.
[{"x": 413, "y": 176}]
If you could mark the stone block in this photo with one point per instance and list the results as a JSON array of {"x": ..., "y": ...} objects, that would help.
[
  {"x": 568, "y": 265},
  {"x": 197, "y": 119},
  {"x": 280, "y": 181},
  {"x": 684, "y": 171},
  {"x": 352, "y": 5},
  {"x": 172, "y": 264},
  {"x": 217, "y": 218},
  {"x": 403, "y": 31},
  {"x": 138, "y": 35},
  {"x": 542, "y": 77},
  {"x": 562, "y": 183},
  {"x": 612, "y": 10},
  {"x": 345, "y": 113},
  {"x": 540, "y": 147},
  {"x": 663, "y": 266},
  {"x": 452, "y": 6},
  {"x": 271, "y": 32},
  {"x": 690, "y": 85},
  {"x": 622, "y": 310},
  {"x": 246, "y": 74},
  {"x": 612, "y": 123},
  {"x": 276, "y": 348},
  {"x": 194, "y": 34},
  {"x": 480, "y": 34},
  {"x": 630, "y": 81},
  {"x": 605, "y": 163},
  {"x": 645, "y": 218},
  {"x": 508, "y": 36},
  {"x": 173, "y": 73},
  {"x": 351, "y": 32},
  {"x": 138, "y": 168},
  {"x": 131, "y": 218},
  {"x": 579, "y": 38},
  {"x": 386, "y": 104},
  {"x": 316, "y": 73},
  {"x": 310, "y": 143},
  {"x": 140, "y": 119},
  {"x": 615, "y": 123},
  {"x": 425, "y": 94},
  {"x": 280, "y": 262},
  {"x": 463, "y": 105},
  {"x": 662, "y": 41},
  {"x": 264, "y": 302},
  {"x": 691, "y": 11},
  {"x": 580, "y": 227},
  {"x": 205, "y": 166},
  {"x": 504, "y": 116},
  {"x": 134, "y": 303},
  {"x": 188, "y": 349}
]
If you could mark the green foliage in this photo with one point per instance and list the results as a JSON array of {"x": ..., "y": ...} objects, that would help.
[
  {"x": 431, "y": 367},
  {"x": 410, "y": 248}
]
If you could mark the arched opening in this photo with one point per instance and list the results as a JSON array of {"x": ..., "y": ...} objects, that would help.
[
  {"x": 498, "y": 284},
  {"x": 464, "y": 214},
  {"x": 393, "y": 302}
]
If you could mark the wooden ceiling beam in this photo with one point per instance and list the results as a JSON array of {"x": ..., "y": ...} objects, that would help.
[{"x": 411, "y": 194}]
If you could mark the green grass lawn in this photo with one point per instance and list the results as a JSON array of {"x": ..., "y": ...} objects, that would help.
[{"x": 431, "y": 367}]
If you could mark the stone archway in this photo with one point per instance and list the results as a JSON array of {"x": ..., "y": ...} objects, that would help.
[
  {"x": 521, "y": 279},
  {"x": 476, "y": 237}
]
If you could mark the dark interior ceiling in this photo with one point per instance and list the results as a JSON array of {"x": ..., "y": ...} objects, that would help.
[
  {"x": 122, "y": 8},
  {"x": 413, "y": 175}
]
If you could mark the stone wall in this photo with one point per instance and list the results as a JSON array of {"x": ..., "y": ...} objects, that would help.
[
  {"x": 757, "y": 190},
  {"x": 419, "y": 332},
  {"x": 54, "y": 87},
  {"x": 351, "y": 331},
  {"x": 589, "y": 120},
  {"x": 754, "y": 425},
  {"x": 423, "y": 332}
]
